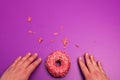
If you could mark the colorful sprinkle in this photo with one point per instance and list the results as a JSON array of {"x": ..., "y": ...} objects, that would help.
[
  {"x": 52, "y": 41},
  {"x": 29, "y": 19},
  {"x": 77, "y": 45},
  {"x": 65, "y": 41},
  {"x": 30, "y": 31},
  {"x": 56, "y": 33},
  {"x": 40, "y": 40}
]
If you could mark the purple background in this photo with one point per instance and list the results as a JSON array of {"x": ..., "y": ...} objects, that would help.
[{"x": 94, "y": 25}]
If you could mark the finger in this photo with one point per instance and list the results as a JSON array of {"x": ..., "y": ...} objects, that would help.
[
  {"x": 100, "y": 67},
  {"x": 30, "y": 60},
  {"x": 88, "y": 62},
  {"x": 16, "y": 61},
  {"x": 32, "y": 66},
  {"x": 12, "y": 66},
  {"x": 94, "y": 63},
  {"x": 83, "y": 67},
  {"x": 93, "y": 60},
  {"x": 24, "y": 58}
]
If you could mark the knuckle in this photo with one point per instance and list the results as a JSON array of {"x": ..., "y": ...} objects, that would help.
[
  {"x": 34, "y": 64},
  {"x": 87, "y": 76},
  {"x": 28, "y": 61},
  {"x": 31, "y": 59}
]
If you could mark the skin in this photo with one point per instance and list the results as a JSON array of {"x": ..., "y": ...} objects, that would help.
[
  {"x": 92, "y": 70},
  {"x": 22, "y": 68}
]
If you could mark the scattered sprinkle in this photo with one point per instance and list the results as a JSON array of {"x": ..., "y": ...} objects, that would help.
[
  {"x": 65, "y": 41},
  {"x": 40, "y": 40},
  {"x": 52, "y": 41},
  {"x": 77, "y": 45},
  {"x": 56, "y": 33},
  {"x": 31, "y": 32},
  {"x": 29, "y": 19}
]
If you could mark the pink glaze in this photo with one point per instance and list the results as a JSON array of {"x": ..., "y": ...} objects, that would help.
[{"x": 61, "y": 69}]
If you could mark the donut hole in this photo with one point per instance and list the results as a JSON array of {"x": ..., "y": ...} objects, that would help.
[{"x": 58, "y": 63}]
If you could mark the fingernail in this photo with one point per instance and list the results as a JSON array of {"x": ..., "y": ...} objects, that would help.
[
  {"x": 80, "y": 58},
  {"x": 36, "y": 54},
  {"x": 19, "y": 57},
  {"x": 91, "y": 56},
  {"x": 99, "y": 62},
  {"x": 29, "y": 53},
  {"x": 86, "y": 54},
  {"x": 40, "y": 59}
]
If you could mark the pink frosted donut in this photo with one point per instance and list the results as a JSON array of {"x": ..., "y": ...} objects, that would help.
[{"x": 58, "y": 64}]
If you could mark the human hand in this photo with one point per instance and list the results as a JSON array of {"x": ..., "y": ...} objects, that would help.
[
  {"x": 92, "y": 70},
  {"x": 21, "y": 68}
]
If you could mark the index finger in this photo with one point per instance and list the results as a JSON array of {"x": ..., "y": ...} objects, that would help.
[
  {"x": 83, "y": 67},
  {"x": 32, "y": 66}
]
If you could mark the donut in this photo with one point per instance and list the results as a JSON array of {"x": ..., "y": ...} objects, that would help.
[{"x": 58, "y": 63}]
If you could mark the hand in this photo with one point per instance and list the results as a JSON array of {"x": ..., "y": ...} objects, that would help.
[
  {"x": 21, "y": 68},
  {"x": 92, "y": 70}
]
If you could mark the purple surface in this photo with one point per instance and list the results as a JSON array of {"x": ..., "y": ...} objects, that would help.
[{"x": 94, "y": 25}]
